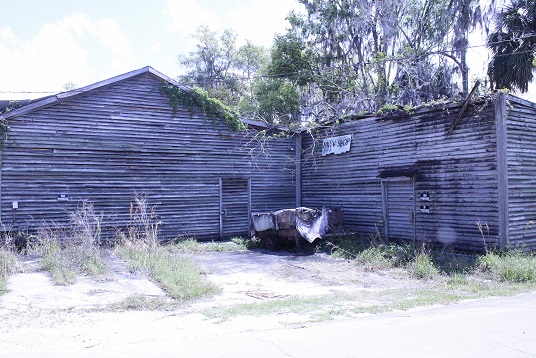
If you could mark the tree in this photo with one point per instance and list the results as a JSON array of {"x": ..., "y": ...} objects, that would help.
[
  {"x": 220, "y": 67},
  {"x": 467, "y": 15},
  {"x": 277, "y": 89},
  {"x": 513, "y": 46},
  {"x": 371, "y": 53}
]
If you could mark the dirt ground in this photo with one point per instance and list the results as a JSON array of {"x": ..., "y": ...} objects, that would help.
[{"x": 39, "y": 318}]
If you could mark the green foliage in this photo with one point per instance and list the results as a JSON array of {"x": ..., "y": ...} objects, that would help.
[
  {"x": 510, "y": 266},
  {"x": 513, "y": 45},
  {"x": 346, "y": 246},
  {"x": 246, "y": 244},
  {"x": 9, "y": 264},
  {"x": 387, "y": 108},
  {"x": 212, "y": 108},
  {"x": 278, "y": 101},
  {"x": 290, "y": 59},
  {"x": 178, "y": 276},
  {"x": 277, "y": 91},
  {"x": 4, "y": 129},
  {"x": 422, "y": 266},
  {"x": 192, "y": 246},
  {"x": 65, "y": 262},
  {"x": 67, "y": 253},
  {"x": 221, "y": 68}
]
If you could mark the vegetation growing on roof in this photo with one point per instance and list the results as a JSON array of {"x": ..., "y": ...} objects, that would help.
[
  {"x": 212, "y": 108},
  {"x": 4, "y": 128}
]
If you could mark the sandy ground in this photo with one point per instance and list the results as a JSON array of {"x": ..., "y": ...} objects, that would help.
[{"x": 39, "y": 319}]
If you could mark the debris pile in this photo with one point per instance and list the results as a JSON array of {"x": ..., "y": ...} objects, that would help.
[{"x": 292, "y": 226}]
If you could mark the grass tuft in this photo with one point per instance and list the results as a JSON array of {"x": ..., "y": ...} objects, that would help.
[
  {"x": 69, "y": 252},
  {"x": 139, "y": 302},
  {"x": 513, "y": 266},
  {"x": 9, "y": 264},
  {"x": 422, "y": 266},
  {"x": 178, "y": 276},
  {"x": 192, "y": 246}
]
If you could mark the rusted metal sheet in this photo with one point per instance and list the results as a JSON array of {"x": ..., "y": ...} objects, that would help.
[{"x": 294, "y": 224}]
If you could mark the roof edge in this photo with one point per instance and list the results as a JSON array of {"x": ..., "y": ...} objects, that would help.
[{"x": 107, "y": 82}]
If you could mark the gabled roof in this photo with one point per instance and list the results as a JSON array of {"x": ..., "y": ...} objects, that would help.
[{"x": 47, "y": 101}]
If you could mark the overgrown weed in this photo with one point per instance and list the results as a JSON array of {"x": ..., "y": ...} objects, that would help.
[
  {"x": 373, "y": 254},
  {"x": 515, "y": 266},
  {"x": 9, "y": 262},
  {"x": 192, "y": 246},
  {"x": 143, "y": 224},
  {"x": 178, "y": 276},
  {"x": 421, "y": 265},
  {"x": 67, "y": 252}
]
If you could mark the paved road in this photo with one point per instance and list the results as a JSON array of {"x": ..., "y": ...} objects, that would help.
[{"x": 493, "y": 327}]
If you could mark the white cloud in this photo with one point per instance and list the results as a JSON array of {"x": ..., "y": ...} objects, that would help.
[
  {"x": 155, "y": 47},
  {"x": 6, "y": 34},
  {"x": 262, "y": 19},
  {"x": 187, "y": 15},
  {"x": 68, "y": 50}
]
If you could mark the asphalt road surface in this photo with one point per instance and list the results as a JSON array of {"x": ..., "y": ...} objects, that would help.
[{"x": 492, "y": 327}]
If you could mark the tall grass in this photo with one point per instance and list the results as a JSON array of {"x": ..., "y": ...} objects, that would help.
[
  {"x": 512, "y": 266},
  {"x": 74, "y": 250},
  {"x": 143, "y": 224},
  {"x": 372, "y": 254},
  {"x": 421, "y": 266},
  {"x": 178, "y": 276},
  {"x": 9, "y": 264}
]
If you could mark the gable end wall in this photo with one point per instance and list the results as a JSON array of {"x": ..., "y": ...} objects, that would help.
[{"x": 109, "y": 144}]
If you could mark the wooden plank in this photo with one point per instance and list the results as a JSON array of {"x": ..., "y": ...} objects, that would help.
[
  {"x": 459, "y": 172},
  {"x": 502, "y": 169},
  {"x": 298, "y": 175},
  {"x": 110, "y": 143}
]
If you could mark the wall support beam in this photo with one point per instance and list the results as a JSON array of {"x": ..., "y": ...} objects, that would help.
[
  {"x": 502, "y": 169},
  {"x": 298, "y": 176}
]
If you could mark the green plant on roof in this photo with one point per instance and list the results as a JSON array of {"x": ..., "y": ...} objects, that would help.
[
  {"x": 4, "y": 128},
  {"x": 212, "y": 108}
]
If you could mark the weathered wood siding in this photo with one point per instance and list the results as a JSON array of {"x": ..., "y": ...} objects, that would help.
[
  {"x": 111, "y": 143},
  {"x": 458, "y": 172},
  {"x": 521, "y": 159}
]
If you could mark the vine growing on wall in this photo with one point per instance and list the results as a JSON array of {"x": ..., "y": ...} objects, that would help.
[
  {"x": 212, "y": 108},
  {"x": 4, "y": 128}
]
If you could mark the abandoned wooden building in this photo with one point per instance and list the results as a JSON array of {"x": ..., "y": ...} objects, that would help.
[
  {"x": 113, "y": 140},
  {"x": 463, "y": 177},
  {"x": 459, "y": 174}
]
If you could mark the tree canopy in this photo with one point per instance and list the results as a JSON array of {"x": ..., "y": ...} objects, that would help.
[
  {"x": 513, "y": 45},
  {"x": 342, "y": 57},
  {"x": 222, "y": 68}
]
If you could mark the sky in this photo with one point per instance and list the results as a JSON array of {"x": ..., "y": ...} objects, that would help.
[{"x": 46, "y": 44}]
